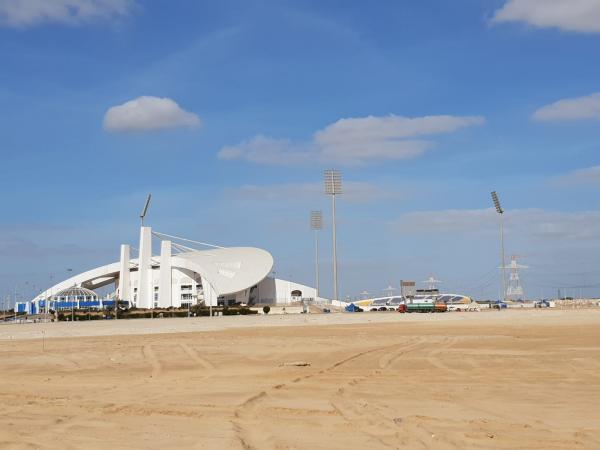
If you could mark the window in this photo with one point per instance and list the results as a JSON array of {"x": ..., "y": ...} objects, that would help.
[
  {"x": 186, "y": 297},
  {"x": 186, "y": 287}
]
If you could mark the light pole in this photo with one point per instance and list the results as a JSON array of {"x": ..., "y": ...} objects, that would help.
[
  {"x": 48, "y": 298},
  {"x": 500, "y": 211},
  {"x": 72, "y": 302},
  {"x": 333, "y": 187},
  {"x": 316, "y": 224}
]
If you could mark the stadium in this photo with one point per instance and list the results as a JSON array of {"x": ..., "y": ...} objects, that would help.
[{"x": 179, "y": 276}]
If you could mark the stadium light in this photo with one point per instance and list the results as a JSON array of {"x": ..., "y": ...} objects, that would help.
[
  {"x": 500, "y": 211},
  {"x": 497, "y": 205},
  {"x": 316, "y": 224},
  {"x": 145, "y": 210},
  {"x": 333, "y": 187}
]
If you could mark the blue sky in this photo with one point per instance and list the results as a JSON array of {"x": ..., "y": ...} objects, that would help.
[{"x": 229, "y": 111}]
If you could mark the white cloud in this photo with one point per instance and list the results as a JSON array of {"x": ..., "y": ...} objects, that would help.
[
  {"x": 579, "y": 108},
  {"x": 528, "y": 223},
  {"x": 367, "y": 138},
  {"x": 23, "y": 13},
  {"x": 568, "y": 15},
  {"x": 147, "y": 114},
  {"x": 353, "y": 141},
  {"x": 265, "y": 150},
  {"x": 585, "y": 176}
]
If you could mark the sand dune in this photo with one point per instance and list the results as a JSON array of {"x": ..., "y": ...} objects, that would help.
[{"x": 528, "y": 380}]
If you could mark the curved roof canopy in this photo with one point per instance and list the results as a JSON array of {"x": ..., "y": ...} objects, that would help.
[
  {"x": 230, "y": 269},
  {"x": 227, "y": 270},
  {"x": 75, "y": 292}
]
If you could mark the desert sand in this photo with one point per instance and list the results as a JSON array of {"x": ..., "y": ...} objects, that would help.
[{"x": 510, "y": 379}]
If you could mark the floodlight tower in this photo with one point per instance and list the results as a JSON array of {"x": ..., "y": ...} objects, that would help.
[
  {"x": 145, "y": 210},
  {"x": 500, "y": 211},
  {"x": 333, "y": 187},
  {"x": 316, "y": 224}
]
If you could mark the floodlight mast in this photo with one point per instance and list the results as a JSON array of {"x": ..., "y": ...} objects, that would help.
[
  {"x": 333, "y": 187},
  {"x": 316, "y": 224},
  {"x": 145, "y": 210},
  {"x": 500, "y": 211}
]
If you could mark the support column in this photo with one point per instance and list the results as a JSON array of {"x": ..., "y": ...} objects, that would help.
[
  {"x": 144, "y": 269},
  {"x": 210, "y": 296},
  {"x": 124, "y": 277},
  {"x": 164, "y": 290}
]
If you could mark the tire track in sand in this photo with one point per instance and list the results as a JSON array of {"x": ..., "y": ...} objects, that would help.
[
  {"x": 433, "y": 357},
  {"x": 195, "y": 356},
  {"x": 362, "y": 415},
  {"x": 250, "y": 437},
  {"x": 247, "y": 412},
  {"x": 154, "y": 362}
]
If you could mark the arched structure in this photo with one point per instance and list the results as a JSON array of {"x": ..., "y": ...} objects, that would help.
[{"x": 182, "y": 276}]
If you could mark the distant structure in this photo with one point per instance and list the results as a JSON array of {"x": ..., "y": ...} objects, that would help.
[
  {"x": 333, "y": 187},
  {"x": 316, "y": 224},
  {"x": 514, "y": 291},
  {"x": 500, "y": 212},
  {"x": 408, "y": 288},
  {"x": 181, "y": 275},
  {"x": 389, "y": 290},
  {"x": 432, "y": 282}
]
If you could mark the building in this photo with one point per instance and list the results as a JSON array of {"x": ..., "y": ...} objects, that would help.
[{"x": 178, "y": 276}]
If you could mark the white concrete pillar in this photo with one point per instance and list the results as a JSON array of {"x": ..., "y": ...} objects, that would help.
[
  {"x": 124, "y": 278},
  {"x": 145, "y": 290},
  {"x": 164, "y": 286},
  {"x": 210, "y": 296}
]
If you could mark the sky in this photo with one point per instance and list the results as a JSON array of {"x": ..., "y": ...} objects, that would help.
[{"x": 229, "y": 112}]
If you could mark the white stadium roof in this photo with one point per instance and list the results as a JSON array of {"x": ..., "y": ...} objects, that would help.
[{"x": 228, "y": 270}]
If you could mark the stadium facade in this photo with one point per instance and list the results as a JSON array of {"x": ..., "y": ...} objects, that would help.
[{"x": 178, "y": 276}]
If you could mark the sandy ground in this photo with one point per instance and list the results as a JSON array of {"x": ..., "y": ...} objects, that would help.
[{"x": 510, "y": 379}]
